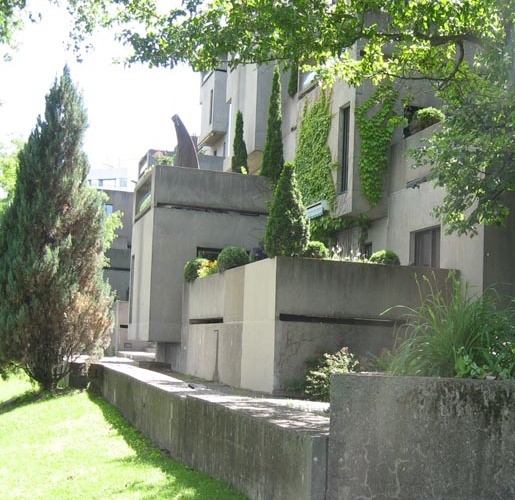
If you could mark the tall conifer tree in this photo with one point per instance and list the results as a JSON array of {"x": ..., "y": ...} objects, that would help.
[
  {"x": 55, "y": 304},
  {"x": 287, "y": 228},
  {"x": 239, "y": 159},
  {"x": 273, "y": 157}
]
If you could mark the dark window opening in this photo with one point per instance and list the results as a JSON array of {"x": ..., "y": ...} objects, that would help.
[
  {"x": 366, "y": 250},
  {"x": 427, "y": 248},
  {"x": 344, "y": 148},
  {"x": 211, "y": 105},
  {"x": 409, "y": 114},
  {"x": 208, "y": 253}
]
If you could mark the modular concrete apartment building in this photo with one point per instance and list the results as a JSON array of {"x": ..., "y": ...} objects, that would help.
[{"x": 403, "y": 220}]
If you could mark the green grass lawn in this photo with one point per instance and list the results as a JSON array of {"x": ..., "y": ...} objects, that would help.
[{"x": 76, "y": 446}]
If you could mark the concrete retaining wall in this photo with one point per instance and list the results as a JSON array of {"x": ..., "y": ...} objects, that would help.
[
  {"x": 409, "y": 438},
  {"x": 401, "y": 438},
  {"x": 265, "y": 450}
]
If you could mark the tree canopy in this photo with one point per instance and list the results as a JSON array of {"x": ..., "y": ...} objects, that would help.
[{"x": 464, "y": 48}]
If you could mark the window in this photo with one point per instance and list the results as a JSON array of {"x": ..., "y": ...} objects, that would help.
[
  {"x": 366, "y": 250},
  {"x": 109, "y": 209},
  {"x": 208, "y": 253},
  {"x": 307, "y": 81},
  {"x": 344, "y": 148},
  {"x": 211, "y": 97},
  {"x": 123, "y": 182},
  {"x": 427, "y": 247}
]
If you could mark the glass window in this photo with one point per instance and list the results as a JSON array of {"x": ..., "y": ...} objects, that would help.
[
  {"x": 427, "y": 247},
  {"x": 109, "y": 209},
  {"x": 306, "y": 81},
  {"x": 344, "y": 148}
]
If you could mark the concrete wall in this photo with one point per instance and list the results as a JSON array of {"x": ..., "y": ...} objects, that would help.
[
  {"x": 266, "y": 451},
  {"x": 190, "y": 209},
  {"x": 408, "y": 438},
  {"x": 410, "y": 209},
  {"x": 401, "y": 438},
  {"x": 274, "y": 314},
  {"x": 123, "y": 201}
]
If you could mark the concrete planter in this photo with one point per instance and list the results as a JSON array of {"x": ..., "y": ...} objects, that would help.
[{"x": 254, "y": 326}]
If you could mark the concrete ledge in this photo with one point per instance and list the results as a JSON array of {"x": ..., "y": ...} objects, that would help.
[
  {"x": 408, "y": 438},
  {"x": 265, "y": 449}
]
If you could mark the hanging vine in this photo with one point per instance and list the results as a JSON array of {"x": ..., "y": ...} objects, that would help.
[
  {"x": 314, "y": 165},
  {"x": 376, "y": 121}
]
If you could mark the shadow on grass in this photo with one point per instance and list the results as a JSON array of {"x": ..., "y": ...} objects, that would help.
[
  {"x": 33, "y": 396},
  {"x": 181, "y": 480}
]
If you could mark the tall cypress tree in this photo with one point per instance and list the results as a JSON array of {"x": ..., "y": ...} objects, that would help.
[
  {"x": 54, "y": 302},
  {"x": 239, "y": 158},
  {"x": 273, "y": 157},
  {"x": 287, "y": 228}
]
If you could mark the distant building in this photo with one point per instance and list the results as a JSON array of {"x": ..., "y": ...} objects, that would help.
[{"x": 116, "y": 178}]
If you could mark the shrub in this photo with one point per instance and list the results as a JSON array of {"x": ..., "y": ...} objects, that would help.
[
  {"x": 318, "y": 379},
  {"x": 232, "y": 257},
  {"x": 316, "y": 250},
  {"x": 424, "y": 118},
  {"x": 239, "y": 158},
  {"x": 287, "y": 228},
  {"x": 463, "y": 336},
  {"x": 208, "y": 268},
  {"x": 385, "y": 257},
  {"x": 192, "y": 268},
  {"x": 273, "y": 156}
]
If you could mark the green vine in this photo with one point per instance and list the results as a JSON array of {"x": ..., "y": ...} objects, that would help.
[
  {"x": 376, "y": 121},
  {"x": 314, "y": 165}
]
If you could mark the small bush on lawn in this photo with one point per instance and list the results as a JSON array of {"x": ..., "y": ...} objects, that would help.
[
  {"x": 316, "y": 250},
  {"x": 385, "y": 257},
  {"x": 232, "y": 257},
  {"x": 318, "y": 379},
  {"x": 192, "y": 269}
]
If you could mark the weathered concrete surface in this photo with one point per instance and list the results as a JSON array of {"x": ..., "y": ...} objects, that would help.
[
  {"x": 276, "y": 313},
  {"x": 190, "y": 209},
  {"x": 408, "y": 438},
  {"x": 268, "y": 451}
]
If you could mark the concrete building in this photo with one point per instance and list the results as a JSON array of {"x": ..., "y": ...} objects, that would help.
[
  {"x": 180, "y": 214},
  {"x": 117, "y": 178},
  {"x": 403, "y": 220}
]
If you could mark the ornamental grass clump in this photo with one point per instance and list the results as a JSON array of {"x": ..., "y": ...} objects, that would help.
[{"x": 459, "y": 336}]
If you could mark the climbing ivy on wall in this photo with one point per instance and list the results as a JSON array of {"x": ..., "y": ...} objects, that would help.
[
  {"x": 376, "y": 121},
  {"x": 314, "y": 165}
]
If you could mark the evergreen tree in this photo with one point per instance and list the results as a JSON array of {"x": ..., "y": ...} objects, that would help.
[
  {"x": 287, "y": 229},
  {"x": 54, "y": 302},
  {"x": 273, "y": 158},
  {"x": 239, "y": 159}
]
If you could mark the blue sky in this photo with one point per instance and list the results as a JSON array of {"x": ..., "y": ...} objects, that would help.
[{"x": 129, "y": 109}]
